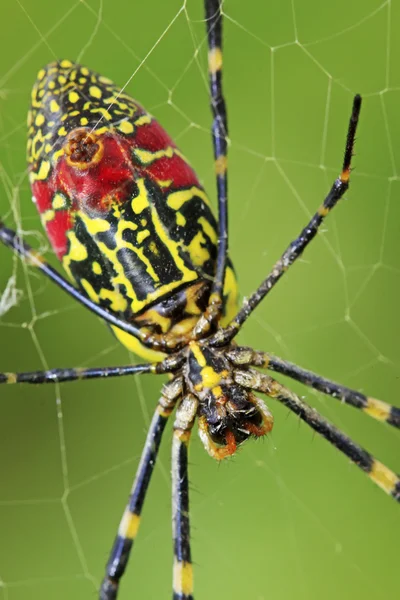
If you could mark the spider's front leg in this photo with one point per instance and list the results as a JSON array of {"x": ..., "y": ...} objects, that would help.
[
  {"x": 298, "y": 245},
  {"x": 214, "y": 20},
  {"x": 378, "y": 472},
  {"x": 377, "y": 409}
]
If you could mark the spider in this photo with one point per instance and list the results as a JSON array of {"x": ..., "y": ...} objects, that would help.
[{"x": 133, "y": 228}]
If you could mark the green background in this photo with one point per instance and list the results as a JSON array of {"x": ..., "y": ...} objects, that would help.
[{"x": 288, "y": 516}]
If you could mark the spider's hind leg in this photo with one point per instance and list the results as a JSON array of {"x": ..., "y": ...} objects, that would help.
[
  {"x": 130, "y": 521},
  {"x": 183, "y": 569}
]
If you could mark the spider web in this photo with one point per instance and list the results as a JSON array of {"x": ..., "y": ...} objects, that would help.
[{"x": 288, "y": 516}]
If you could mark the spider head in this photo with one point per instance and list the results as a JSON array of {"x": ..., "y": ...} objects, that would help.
[
  {"x": 228, "y": 413},
  {"x": 231, "y": 418}
]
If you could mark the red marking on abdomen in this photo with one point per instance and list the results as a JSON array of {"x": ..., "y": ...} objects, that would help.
[
  {"x": 153, "y": 138},
  {"x": 107, "y": 181},
  {"x": 42, "y": 193},
  {"x": 57, "y": 231},
  {"x": 111, "y": 180},
  {"x": 57, "y": 227}
]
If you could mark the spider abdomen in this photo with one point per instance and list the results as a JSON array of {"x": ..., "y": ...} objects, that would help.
[{"x": 122, "y": 207}]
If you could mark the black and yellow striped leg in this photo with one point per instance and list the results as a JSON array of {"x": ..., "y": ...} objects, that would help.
[
  {"x": 183, "y": 569},
  {"x": 297, "y": 247},
  {"x": 35, "y": 259},
  {"x": 213, "y": 14},
  {"x": 130, "y": 521},
  {"x": 62, "y": 375},
  {"x": 168, "y": 365},
  {"x": 378, "y": 472},
  {"x": 377, "y": 409}
]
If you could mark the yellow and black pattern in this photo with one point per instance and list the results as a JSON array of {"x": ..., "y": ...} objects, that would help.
[
  {"x": 129, "y": 259},
  {"x": 122, "y": 207},
  {"x": 68, "y": 96}
]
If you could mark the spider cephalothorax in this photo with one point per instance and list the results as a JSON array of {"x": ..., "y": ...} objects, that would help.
[
  {"x": 228, "y": 413},
  {"x": 126, "y": 215}
]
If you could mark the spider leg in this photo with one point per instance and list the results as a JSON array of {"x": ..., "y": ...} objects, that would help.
[
  {"x": 183, "y": 570},
  {"x": 168, "y": 365},
  {"x": 213, "y": 14},
  {"x": 297, "y": 247},
  {"x": 12, "y": 240},
  {"x": 62, "y": 375},
  {"x": 130, "y": 521},
  {"x": 378, "y": 472},
  {"x": 377, "y": 409}
]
